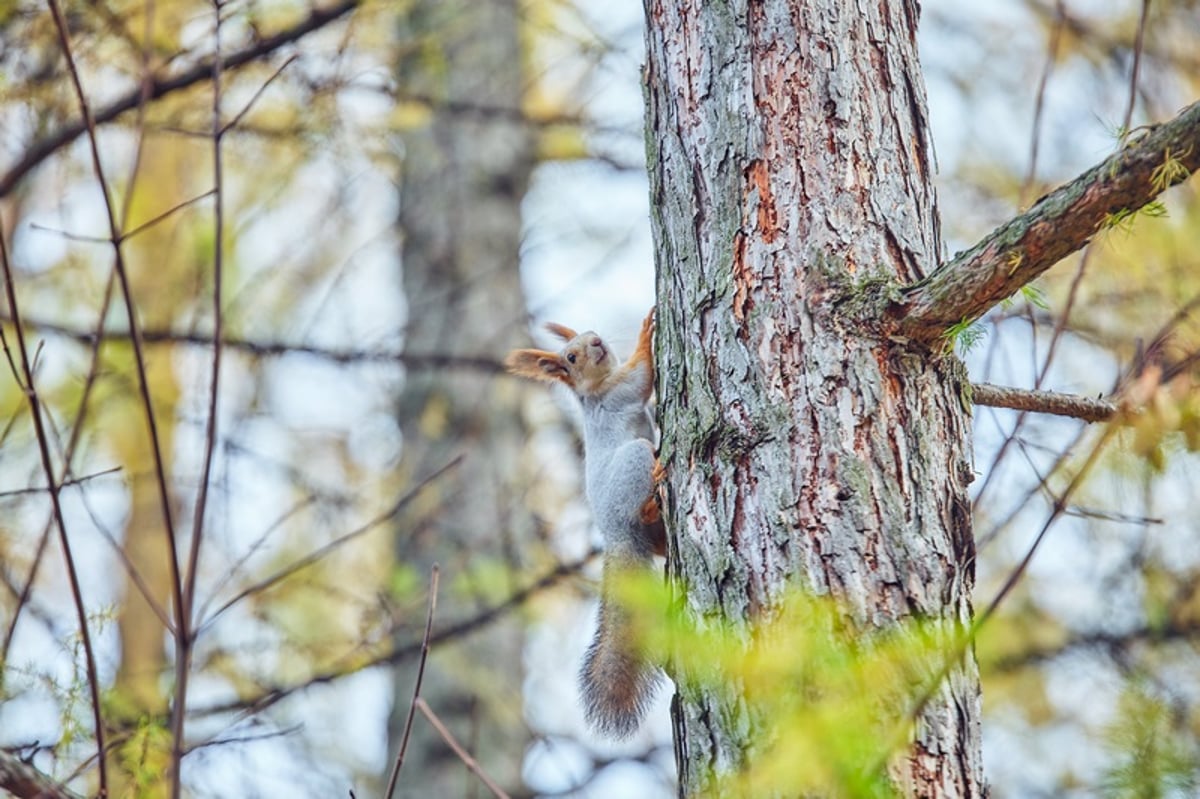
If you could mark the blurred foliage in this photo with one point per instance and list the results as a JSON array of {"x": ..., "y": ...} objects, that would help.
[
  {"x": 1150, "y": 758},
  {"x": 828, "y": 701}
]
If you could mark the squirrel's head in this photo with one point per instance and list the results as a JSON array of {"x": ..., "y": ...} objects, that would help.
[{"x": 582, "y": 365}]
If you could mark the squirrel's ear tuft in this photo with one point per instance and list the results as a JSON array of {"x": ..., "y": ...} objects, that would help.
[
  {"x": 538, "y": 365},
  {"x": 562, "y": 331}
]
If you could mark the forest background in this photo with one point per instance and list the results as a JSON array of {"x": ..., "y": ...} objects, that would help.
[{"x": 389, "y": 196}]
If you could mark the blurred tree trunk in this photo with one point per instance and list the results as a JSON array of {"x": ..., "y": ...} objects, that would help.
[
  {"x": 791, "y": 183},
  {"x": 465, "y": 172},
  {"x": 162, "y": 289},
  {"x": 143, "y": 760}
]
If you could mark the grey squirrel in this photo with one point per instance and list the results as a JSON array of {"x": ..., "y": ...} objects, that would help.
[{"x": 617, "y": 680}]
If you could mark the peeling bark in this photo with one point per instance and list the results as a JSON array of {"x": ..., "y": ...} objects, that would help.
[{"x": 790, "y": 174}]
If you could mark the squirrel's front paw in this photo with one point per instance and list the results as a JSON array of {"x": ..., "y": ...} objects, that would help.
[
  {"x": 650, "y": 512},
  {"x": 658, "y": 474}
]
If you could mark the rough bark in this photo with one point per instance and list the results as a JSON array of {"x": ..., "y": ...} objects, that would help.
[
  {"x": 462, "y": 183},
  {"x": 791, "y": 178},
  {"x": 1057, "y": 225}
]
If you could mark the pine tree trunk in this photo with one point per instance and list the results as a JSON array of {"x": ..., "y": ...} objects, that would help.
[{"x": 791, "y": 182}]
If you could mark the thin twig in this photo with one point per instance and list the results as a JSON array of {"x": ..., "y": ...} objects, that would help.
[
  {"x": 982, "y": 540},
  {"x": 181, "y": 626},
  {"x": 1039, "y": 102},
  {"x": 82, "y": 238},
  {"x": 470, "y": 762},
  {"x": 452, "y": 632},
  {"x": 1138, "y": 44},
  {"x": 48, "y": 468},
  {"x": 233, "y": 123},
  {"x": 183, "y": 651},
  {"x": 1060, "y": 505},
  {"x": 235, "y": 568},
  {"x": 274, "y": 349},
  {"x": 81, "y": 412},
  {"x": 243, "y": 739},
  {"x": 167, "y": 214},
  {"x": 145, "y": 79},
  {"x": 324, "y": 551},
  {"x": 17, "y": 492},
  {"x": 1060, "y": 324},
  {"x": 135, "y": 576},
  {"x": 412, "y": 708}
]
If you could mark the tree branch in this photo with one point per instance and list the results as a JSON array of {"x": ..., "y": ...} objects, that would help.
[
  {"x": 1052, "y": 402},
  {"x": 271, "y": 695},
  {"x": 263, "y": 348},
  {"x": 471, "y": 763},
  {"x": 1057, "y": 225},
  {"x": 1174, "y": 629},
  {"x": 24, "y": 781},
  {"x": 160, "y": 85}
]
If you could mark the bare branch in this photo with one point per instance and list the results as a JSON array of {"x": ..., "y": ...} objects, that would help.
[
  {"x": 263, "y": 348},
  {"x": 128, "y": 234},
  {"x": 1057, "y": 510},
  {"x": 1052, "y": 402},
  {"x": 1052, "y": 46},
  {"x": 17, "y": 492},
  {"x": 453, "y": 632},
  {"x": 24, "y": 378},
  {"x": 159, "y": 86},
  {"x": 1138, "y": 44},
  {"x": 233, "y": 123},
  {"x": 412, "y": 708},
  {"x": 67, "y": 457},
  {"x": 1057, "y": 225},
  {"x": 324, "y": 551},
  {"x": 463, "y": 755},
  {"x": 187, "y": 637}
]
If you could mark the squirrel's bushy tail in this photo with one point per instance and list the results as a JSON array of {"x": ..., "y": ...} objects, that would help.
[{"x": 617, "y": 680}]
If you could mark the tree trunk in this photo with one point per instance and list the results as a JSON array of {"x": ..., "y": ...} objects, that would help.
[
  {"x": 791, "y": 184},
  {"x": 465, "y": 172},
  {"x": 161, "y": 291}
]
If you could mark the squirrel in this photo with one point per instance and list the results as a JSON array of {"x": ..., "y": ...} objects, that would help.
[{"x": 617, "y": 681}]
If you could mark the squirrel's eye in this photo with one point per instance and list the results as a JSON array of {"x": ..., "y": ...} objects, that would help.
[{"x": 571, "y": 357}]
